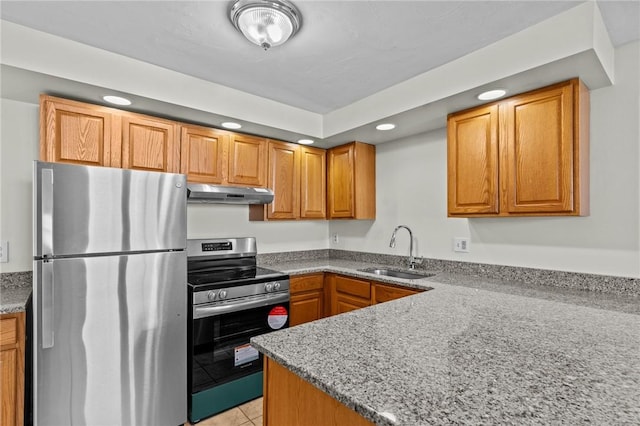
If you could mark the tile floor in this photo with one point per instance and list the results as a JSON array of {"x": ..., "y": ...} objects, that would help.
[{"x": 247, "y": 414}]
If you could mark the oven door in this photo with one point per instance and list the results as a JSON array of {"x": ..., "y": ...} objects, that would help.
[{"x": 221, "y": 356}]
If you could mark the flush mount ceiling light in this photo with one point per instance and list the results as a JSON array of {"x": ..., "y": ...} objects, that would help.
[
  {"x": 492, "y": 94},
  {"x": 117, "y": 100},
  {"x": 267, "y": 23},
  {"x": 386, "y": 126},
  {"x": 305, "y": 141}
]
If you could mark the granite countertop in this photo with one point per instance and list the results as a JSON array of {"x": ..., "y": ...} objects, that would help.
[
  {"x": 471, "y": 351},
  {"x": 15, "y": 289}
]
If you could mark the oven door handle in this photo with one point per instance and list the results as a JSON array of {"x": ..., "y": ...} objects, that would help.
[{"x": 210, "y": 311}]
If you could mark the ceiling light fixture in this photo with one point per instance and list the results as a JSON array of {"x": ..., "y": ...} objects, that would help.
[
  {"x": 386, "y": 126},
  {"x": 231, "y": 125},
  {"x": 305, "y": 141},
  {"x": 116, "y": 100},
  {"x": 492, "y": 94},
  {"x": 267, "y": 23}
]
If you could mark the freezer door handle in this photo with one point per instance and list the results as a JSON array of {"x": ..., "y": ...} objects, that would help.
[
  {"x": 47, "y": 304},
  {"x": 46, "y": 187}
]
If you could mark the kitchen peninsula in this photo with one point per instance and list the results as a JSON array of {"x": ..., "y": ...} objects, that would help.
[{"x": 472, "y": 351}]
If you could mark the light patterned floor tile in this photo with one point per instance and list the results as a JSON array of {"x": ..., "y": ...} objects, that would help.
[
  {"x": 232, "y": 417},
  {"x": 257, "y": 421},
  {"x": 252, "y": 409}
]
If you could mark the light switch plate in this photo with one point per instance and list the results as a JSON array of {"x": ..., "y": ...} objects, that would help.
[
  {"x": 4, "y": 251},
  {"x": 461, "y": 245}
]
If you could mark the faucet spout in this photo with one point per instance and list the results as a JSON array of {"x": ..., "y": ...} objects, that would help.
[{"x": 392, "y": 244}]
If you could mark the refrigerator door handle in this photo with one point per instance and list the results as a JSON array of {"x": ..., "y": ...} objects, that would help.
[
  {"x": 47, "y": 283},
  {"x": 46, "y": 187}
]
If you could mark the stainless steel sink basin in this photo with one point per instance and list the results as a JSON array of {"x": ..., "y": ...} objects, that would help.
[{"x": 413, "y": 275}]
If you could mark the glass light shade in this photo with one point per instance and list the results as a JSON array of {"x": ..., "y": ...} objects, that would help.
[
  {"x": 386, "y": 126},
  {"x": 492, "y": 94},
  {"x": 117, "y": 100},
  {"x": 265, "y": 27},
  {"x": 267, "y": 23}
]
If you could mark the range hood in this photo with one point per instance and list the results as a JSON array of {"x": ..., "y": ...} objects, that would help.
[{"x": 201, "y": 193}]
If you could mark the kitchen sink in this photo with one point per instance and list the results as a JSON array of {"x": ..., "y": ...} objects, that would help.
[{"x": 409, "y": 275}]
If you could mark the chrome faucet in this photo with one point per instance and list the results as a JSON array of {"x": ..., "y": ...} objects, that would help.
[{"x": 412, "y": 260}]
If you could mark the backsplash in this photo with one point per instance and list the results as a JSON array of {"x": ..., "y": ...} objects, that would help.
[
  {"x": 16, "y": 279},
  {"x": 529, "y": 276}
]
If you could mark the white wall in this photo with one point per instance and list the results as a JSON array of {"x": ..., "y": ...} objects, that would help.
[
  {"x": 18, "y": 149},
  {"x": 411, "y": 184},
  {"x": 411, "y": 180}
]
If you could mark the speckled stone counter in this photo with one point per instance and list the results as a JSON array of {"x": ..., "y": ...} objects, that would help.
[
  {"x": 15, "y": 288},
  {"x": 471, "y": 351}
]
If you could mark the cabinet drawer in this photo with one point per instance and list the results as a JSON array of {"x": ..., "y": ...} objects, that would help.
[
  {"x": 384, "y": 293},
  {"x": 353, "y": 287},
  {"x": 306, "y": 283},
  {"x": 8, "y": 331}
]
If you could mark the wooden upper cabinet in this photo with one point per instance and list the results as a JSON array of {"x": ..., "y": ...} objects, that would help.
[
  {"x": 150, "y": 144},
  {"x": 284, "y": 180},
  {"x": 247, "y": 160},
  {"x": 540, "y": 167},
  {"x": 75, "y": 132},
  {"x": 313, "y": 183},
  {"x": 351, "y": 185},
  {"x": 203, "y": 154},
  {"x": 297, "y": 176},
  {"x": 473, "y": 161},
  {"x": 539, "y": 146}
]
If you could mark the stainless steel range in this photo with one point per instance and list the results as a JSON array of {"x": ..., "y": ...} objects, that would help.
[{"x": 231, "y": 300}]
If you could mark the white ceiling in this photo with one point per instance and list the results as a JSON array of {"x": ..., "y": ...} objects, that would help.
[{"x": 345, "y": 51}]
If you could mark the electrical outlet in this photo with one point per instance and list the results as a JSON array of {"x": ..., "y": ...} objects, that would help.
[
  {"x": 335, "y": 238},
  {"x": 461, "y": 245},
  {"x": 4, "y": 251}
]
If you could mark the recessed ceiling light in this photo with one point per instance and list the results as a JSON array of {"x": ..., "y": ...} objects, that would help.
[
  {"x": 386, "y": 126},
  {"x": 117, "y": 100},
  {"x": 231, "y": 125},
  {"x": 492, "y": 94},
  {"x": 305, "y": 141}
]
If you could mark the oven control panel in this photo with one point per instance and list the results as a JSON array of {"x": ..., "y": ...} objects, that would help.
[{"x": 240, "y": 291}]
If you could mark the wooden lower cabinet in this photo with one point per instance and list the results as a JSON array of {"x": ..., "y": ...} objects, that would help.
[
  {"x": 319, "y": 295},
  {"x": 348, "y": 294},
  {"x": 381, "y": 292},
  {"x": 291, "y": 401},
  {"x": 12, "y": 341},
  {"x": 307, "y": 298}
]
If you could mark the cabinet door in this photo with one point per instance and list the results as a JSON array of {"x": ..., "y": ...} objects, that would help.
[
  {"x": 149, "y": 144},
  {"x": 345, "y": 303},
  {"x": 307, "y": 298},
  {"x": 306, "y": 307},
  {"x": 12, "y": 368},
  {"x": 74, "y": 132},
  {"x": 472, "y": 162},
  {"x": 313, "y": 183},
  {"x": 203, "y": 154},
  {"x": 247, "y": 160},
  {"x": 341, "y": 200},
  {"x": 537, "y": 162},
  {"x": 284, "y": 179},
  {"x": 381, "y": 293},
  {"x": 348, "y": 294}
]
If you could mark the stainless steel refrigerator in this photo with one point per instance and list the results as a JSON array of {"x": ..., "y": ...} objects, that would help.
[{"x": 109, "y": 297}]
